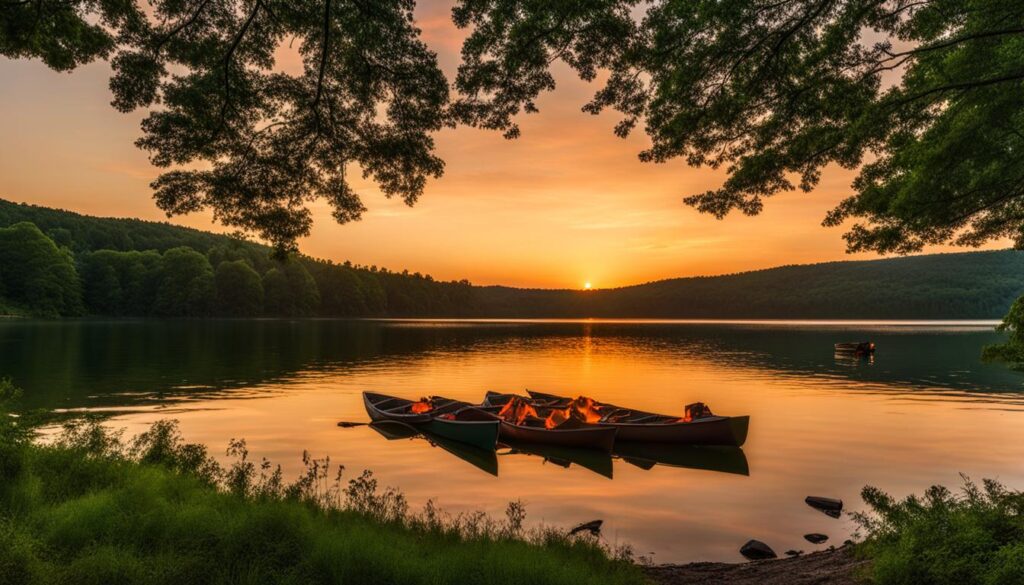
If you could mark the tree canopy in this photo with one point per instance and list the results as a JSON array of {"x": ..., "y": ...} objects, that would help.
[
  {"x": 924, "y": 96},
  {"x": 369, "y": 95},
  {"x": 36, "y": 273},
  {"x": 927, "y": 93},
  {"x": 239, "y": 291}
]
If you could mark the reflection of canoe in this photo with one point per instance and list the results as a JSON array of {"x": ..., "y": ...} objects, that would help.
[
  {"x": 483, "y": 459},
  {"x": 597, "y": 461},
  {"x": 466, "y": 424},
  {"x": 394, "y": 431},
  {"x": 709, "y": 457},
  {"x": 649, "y": 427}
]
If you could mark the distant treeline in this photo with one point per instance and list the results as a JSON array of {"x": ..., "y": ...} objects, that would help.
[
  {"x": 56, "y": 262},
  {"x": 970, "y": 285}
]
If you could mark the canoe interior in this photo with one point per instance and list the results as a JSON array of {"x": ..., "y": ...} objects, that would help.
[
  {"x": 401, "y": 408},
  {"x": 616, "y": 414}
]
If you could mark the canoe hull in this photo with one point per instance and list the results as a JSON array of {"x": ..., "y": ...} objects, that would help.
[
  {"x": 482, "y": 434},
  {"x": 592, "y": 437},
  {"x": 721, "y": 430},
  {"x": 729, "y": 431}
]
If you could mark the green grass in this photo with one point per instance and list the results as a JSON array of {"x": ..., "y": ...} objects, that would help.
[
  {"x": 93, "y": 509},
  {"x": 972, "y": 538}
]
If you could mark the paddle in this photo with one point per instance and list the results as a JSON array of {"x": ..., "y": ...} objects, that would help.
[{"x": 347, "y": 424}]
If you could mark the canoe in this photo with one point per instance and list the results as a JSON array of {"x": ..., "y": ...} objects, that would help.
[
  {"x": 600, "y": 439},
  {"x": 451, "y": 419},
  {"x": 858, "y": 347},
  {"x": 470, "y": 425},
  {"x": 650, "y": 427},
  {"x": 584, "y": 437}
]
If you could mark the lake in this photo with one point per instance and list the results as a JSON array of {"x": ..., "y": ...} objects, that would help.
[{"x": 922, "y": 411}]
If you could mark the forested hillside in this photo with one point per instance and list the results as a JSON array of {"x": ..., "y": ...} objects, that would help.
[
  {"x": 56, "y": 262},
  {"x": 966, "y": 285}
]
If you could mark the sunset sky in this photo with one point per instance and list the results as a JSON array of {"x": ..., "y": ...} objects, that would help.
[{"x": 567, "y": 203}]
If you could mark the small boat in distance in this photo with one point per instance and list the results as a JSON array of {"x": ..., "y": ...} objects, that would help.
[
  {"x": 856, "y": 348},
  {"x": 444, "y": 417},
  {"x": 700, "y": 428}
]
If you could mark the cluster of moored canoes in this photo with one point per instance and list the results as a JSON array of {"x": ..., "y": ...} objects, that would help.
[{"x": 546, "y": 419}]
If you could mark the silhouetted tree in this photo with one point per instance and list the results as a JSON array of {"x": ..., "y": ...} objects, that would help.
[
  {"x": 102, "y": 286},
  {"x": 373, "y": 293},
  {"x": 37, "y": 274},
  {"x": 239, "y": 290},
  {"x": 302, "y": 288},
  {"x": 340, "y": 289},
  {"x": 277, "y": 295},
  {"x": 369, "y": 95},
  {"x": 775, "y": 90},
  {"x": 186, "y": 284}
]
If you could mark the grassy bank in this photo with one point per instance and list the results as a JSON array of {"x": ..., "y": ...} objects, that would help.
[{"x": 94, "y": 509}]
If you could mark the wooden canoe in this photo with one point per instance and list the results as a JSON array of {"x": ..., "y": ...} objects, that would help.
[
  {"x": 588, "y": 437},
  {"x": 856, "y": 347},
  {"x": 650, "y": 427},
  {"x": 469, "y": 425}
]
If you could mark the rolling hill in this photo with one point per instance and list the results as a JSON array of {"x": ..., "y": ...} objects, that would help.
[{"x": 969, "y": 285}]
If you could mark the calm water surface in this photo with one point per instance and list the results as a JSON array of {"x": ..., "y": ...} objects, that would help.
[{"x": 923, "y": 411}]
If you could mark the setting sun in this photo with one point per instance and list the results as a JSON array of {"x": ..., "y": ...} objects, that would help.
[{"x": 586, "y": 285}]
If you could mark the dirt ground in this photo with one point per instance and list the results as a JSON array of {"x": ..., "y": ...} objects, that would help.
[{"x": 838, "y": 566}]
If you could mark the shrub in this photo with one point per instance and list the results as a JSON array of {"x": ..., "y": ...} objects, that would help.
[{"x": 942, "y": 538}]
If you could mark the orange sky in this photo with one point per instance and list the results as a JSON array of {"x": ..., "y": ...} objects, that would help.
[{"x": 566, "y": 203}]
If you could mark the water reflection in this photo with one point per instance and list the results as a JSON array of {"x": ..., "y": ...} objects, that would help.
[
  {"x": 642, "y": 455},
  {"x": 135, "y": 363},
  {"x": 483, "y": 459},
  {"x": 923, "y": 411}
]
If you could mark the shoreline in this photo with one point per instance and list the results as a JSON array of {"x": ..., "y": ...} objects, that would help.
[{"x": 837, "y": 566}]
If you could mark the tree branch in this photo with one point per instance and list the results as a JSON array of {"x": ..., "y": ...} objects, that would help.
[
  {"x": 227, "y": 64},
  {"x": 181, "y": 26}
]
